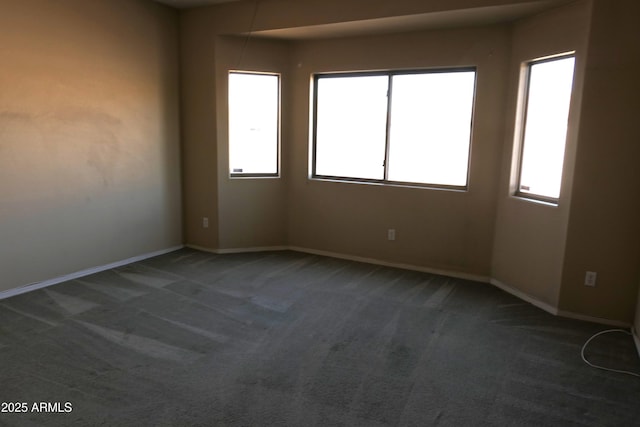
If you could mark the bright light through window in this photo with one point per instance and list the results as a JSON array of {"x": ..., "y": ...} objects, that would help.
[
  {"x": 430, "y": 127},
  {"x": 253, "y": 124},
  {"x": 351, "y": 126},
  {"x": 397, "y": 127},
  {"x": 545, "y": 130}
]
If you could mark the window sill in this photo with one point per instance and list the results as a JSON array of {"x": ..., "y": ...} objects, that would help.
[
  {"x": 552, "y": 204},
  {"x": 393, "y": 184},
  {"x": 254, "y": 176}
]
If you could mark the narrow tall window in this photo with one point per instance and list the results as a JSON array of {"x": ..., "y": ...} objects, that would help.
[
  {"x": 548, "y": 96},
  {"x": 254, "y": 124},
  {"x": 401, "y": 127}
]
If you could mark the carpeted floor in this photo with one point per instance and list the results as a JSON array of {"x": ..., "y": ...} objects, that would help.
[{"x": 286, "y": 338}]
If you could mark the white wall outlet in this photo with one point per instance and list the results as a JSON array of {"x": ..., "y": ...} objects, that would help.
[
  {"x": 391, "y": 234},
  {"x": 590, "y": 278},
  {"x": 205, "y": 222}
]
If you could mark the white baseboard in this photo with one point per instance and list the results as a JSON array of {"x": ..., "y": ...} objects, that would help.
[
  {"x": 202, "y": 249},
  {"x": 525, "y": 297},
  {"x": 477, "y": 278},
  {"x": 554, "y": 310},
  {"x": 76, "y": 275},
  {"x": 458, "y": 275},
  {"x": 238, "y": 250},
  {"x": 254, "y": 249},
  {"x": 578, "y": 316}
]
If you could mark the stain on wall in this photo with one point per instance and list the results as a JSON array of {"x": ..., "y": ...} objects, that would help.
[{"x": 89, "y": 135}]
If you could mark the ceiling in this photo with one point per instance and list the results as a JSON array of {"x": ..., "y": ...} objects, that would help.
[
  {"x": 184, "y": 4},
  {"x": 424, "y": 21}
]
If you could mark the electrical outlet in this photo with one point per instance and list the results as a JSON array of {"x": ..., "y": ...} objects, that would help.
[
  {"x": 205, "y": 222},
  {"x": 590, "y": 278},
  {"x": 391, "y": 234}
]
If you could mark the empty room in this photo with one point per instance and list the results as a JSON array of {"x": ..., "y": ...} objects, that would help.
[{"x": 319, "y": 212}]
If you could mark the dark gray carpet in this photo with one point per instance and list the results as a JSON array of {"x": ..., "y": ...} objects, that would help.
[{"x": 286, "y": 338}]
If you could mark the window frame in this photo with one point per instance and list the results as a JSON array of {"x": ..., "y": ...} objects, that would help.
[
  {"x": 389, "y": 74},
  {"x": 521, "y": 132},
  {"x": 240, "y": 175}
]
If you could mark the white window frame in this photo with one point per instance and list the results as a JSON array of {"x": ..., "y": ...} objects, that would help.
[
  {"x": 239, "y": 174},
  {"x": 385, "y": 180},
  {"x": 522, "y": 126}
]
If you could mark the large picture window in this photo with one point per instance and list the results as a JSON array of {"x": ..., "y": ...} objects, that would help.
[
  {"x": 254, "y": 124},
  {"x": 394, "y": 127},
  {"x": 547, "y": 98}
]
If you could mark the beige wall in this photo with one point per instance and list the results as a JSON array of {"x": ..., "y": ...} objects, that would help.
[
  {"x": 252, "y": 212},
  {"x": 90, "y": 152},
  {"x": 604, "y": 228},
  {"x": 242, "y": 212},
  {"x": 448, "y": 230},
  {"x": 258, "y": 212},
  {"x": 236, "y": 17},
  {"x": 538, "y": 250},
  {"x": 198, "y": 130},
  {"x": 89, "y": 144},
  {"x": 436, "y": 229},
  {"x": 529, "y": 245}
]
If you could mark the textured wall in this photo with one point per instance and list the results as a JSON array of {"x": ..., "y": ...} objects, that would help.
[
  {"x": 448, "y": 230},
  {"x": 437, "y": 229},
  {"x": 530, "y": 237},
  {"x": 538, "y": 250},
  {"x": 198, "y": 129},
  {"x": 604, "y": 228},
  {"x": 252, "y": 212},
  {"x": 89, "y": 135}
]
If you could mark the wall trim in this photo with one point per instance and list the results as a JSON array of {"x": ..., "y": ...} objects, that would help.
[
  {"x": 86, "y": 272},
  {"x": 238, "y": 250},
  {"x": 556, "y": 311},
  {"x": 201, "y": 248},
  {"x": 578, "y": 316},
  {"x": 253, "y": 249},
  {"x": 458, "y": 275},
  {"x": 466, "y": 276},
  {"x": 526, "y": 297}
]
